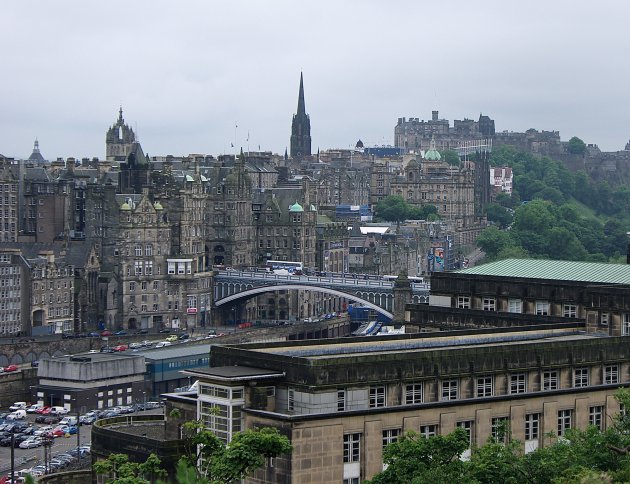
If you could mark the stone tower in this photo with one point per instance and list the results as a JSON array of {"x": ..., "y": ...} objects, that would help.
[
  {"x": 301, "y": 128},
  {"x": 119, "y": 140}
]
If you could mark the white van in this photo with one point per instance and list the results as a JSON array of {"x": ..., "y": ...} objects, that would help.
[
  {"x": 68, "y": 420},
  {"x": 18, "y": 406},
  {"x": 59, "y": 410},
  {"x": 17, "y": 415},
  {"x": 34, "y": 408}
]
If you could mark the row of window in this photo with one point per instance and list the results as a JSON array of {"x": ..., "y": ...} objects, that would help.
[
  {"x": 500, "y": 430},
  {"x": 484, "y": 386}
]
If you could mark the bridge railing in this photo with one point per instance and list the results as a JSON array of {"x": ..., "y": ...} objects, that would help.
[{"x": 357, "y": 280}]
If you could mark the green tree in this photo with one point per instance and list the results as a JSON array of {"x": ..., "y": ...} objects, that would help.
[
  {"x": 217, "y": 462},
  {"x": 117, "y": 469},
  {"x": 576, "y": 146},
  {"x": 393, "y": 209},
  {"x": 451, "y": 157},
  {"x": 499, "y": 215},
  {"x": 492, "y": 241}
]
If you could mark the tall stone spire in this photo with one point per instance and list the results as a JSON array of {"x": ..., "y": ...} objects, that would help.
[{"x": 301, "y": 128}]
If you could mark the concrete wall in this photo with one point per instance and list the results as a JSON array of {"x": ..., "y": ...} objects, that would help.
[{"x": 16, "y": 386}]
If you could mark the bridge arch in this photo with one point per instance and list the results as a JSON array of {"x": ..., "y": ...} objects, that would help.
[{"x": 280, "y": 287}]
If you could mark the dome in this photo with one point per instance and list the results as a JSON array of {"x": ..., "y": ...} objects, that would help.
[
  {"x": 158, "y": 206},
  {"x": 296, "y": 207},
  {"x": 125, "y": 206},
  {"x": 432, "y": 154}
]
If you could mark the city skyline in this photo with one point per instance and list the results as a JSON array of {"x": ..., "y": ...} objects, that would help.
[{"x": 186, "y": 76}]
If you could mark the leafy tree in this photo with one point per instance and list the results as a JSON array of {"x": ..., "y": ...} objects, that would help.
[
  {"x": 576, "y": 146},
  {"x": 451, "y": 157},
  {"x": 217, "y": 462},
  {"x": 393, "y": 209},
  {"x": 492, "y": 241},
  {"x": 499, "y": 215},
  {"x": 117, "y": 469}
]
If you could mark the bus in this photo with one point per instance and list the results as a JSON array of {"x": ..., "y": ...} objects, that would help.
[
  {"x": 411, "y": 278},
  {"x": 294, "y": 268}
]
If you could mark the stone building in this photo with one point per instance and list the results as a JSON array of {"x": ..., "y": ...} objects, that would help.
[
  {"x": 15, "y": 293},
  {"x": 341, "y": 402},
  {"x": 512, "y": 291},
  {"x": 9, "y": 200},
  {"x": 119, "y": 140},
  {"x": 414, "y": 135}
]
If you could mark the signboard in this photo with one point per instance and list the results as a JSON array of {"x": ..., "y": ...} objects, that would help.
[{"x": 191, "y": 310}]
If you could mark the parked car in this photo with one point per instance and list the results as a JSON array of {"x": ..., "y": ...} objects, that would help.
[
  {"x": 120, "y": 332},
  {"x": 147, "y": 344},
  {"x": 135, "y": 346},
  {"x": 18, "y": 406},
  {"x": 83, "y": 420},
  {"x": 162, "y": 344},
  {"x": 171, "y": 338},
  {"x": 165, "y": 331},
  {"x": 34, "y": 364},
  {"x": 142, "y": 331},
  {"x": 106, "y": 333},
  {"x": 184, "y": 336},
  {"x": 9, "y": 368},
  {"x": 93, "y": 334},
  {"x": 59, "y": 410},
  {"x": 17, "y": 415},
  {"x": 42, "y": 410},
  {"x": 31, "y": 443},
  {"x": 121, "y": 348}
]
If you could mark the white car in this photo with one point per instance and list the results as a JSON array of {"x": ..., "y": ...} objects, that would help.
[
  {"x": 30, "y": 443},
  {"x": 162, "y": 344}
]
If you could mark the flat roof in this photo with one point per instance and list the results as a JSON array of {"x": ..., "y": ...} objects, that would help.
[
  {"x": 175, "y": 351},
  {"x": 234, "y": 373},
  {"x": 559, "y": 270},
  {"x": 373, "y": 345}
]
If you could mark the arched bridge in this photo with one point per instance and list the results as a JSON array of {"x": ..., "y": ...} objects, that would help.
[{"x": 371, "y": 291}]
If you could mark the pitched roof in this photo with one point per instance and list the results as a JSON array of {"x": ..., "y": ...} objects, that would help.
[{"x": 559, "y": 270}]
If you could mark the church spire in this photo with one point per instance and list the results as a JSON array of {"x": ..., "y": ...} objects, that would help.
[
  {"x": 301, "y": 108},
  {"x": 301, "y": 128}
]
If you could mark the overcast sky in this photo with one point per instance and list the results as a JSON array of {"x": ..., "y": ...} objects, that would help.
[{"x": 187, "y": 72}]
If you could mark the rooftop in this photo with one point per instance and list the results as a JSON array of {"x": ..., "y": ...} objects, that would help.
[
  {"x": 175, "y": 351},
  {"x": 559, "y": 270}
]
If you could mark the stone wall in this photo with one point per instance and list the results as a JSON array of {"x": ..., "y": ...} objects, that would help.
[{"x": 16, "y": 386}]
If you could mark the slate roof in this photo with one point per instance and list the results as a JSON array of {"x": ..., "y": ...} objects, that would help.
[{"x": 558, "y": 270}]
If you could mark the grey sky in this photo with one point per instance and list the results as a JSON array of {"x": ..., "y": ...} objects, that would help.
[{"x": 186, "y": 72}]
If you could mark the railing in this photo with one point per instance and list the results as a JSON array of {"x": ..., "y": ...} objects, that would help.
[{"x": 127, "y": 420}]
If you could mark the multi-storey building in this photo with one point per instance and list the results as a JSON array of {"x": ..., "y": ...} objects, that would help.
[
  {"x": 342, "y": 402},
  {"x": 9, "y": 200},
  {"x": 15, "y": 289}
]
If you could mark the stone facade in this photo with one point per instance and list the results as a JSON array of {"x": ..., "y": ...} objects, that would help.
[{"x": 340, "y": 403}]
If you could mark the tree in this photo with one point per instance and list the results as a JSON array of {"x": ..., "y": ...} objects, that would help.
[
  {"x": 492, "y": 241},
  {"x": 499, "y": 215},
  {"x": 117, "y": 469},
  {"x": 393, "y": 209},
  {"x": 576, "y": 146},
  {"x": 451, "y": 157},
  {"x": 217, "y": 462}
]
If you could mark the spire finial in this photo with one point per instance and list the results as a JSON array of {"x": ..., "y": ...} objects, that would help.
[{"x": 120, "y": 116}]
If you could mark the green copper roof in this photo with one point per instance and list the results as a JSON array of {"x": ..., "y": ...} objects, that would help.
[
  {"x": 559, "y": 270},
  {"x": 296, "y": 207}
]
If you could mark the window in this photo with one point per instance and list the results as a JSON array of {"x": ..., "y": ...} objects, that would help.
[
  {"x": 564, "y": 421},
  {"x": 542, "y": 308},
  {"x": 377, "y": 396},
  {"x": 518, "y": 383},
  {"x": 428, "y": 430},
  {"x": 595, "y": 416},
  {"x": 156, "y": 285},
  {"x": 500, "y": 429},
  {"x": 413, "y": 393},
  {"x": 148, "y": 249},
  {"x": 550, "y": 380},
  {"x": 515, "y": 306},
  {"x": 532, "y": 426},
  {"x": 611, "y": 374},
  {"x": 569, "y": 311},
  {"x": 132, "y": 286},
  {"x": 484, "y": 386},
  {"x": 341, "y": 399},
  {"x": 148, "y": 267},
  {"x": 449, "y": 390},
  {"x": 138, "y": 267},
  {"x": 467, "y": 425},
  {"x": 489, "y": 304},
  {"x": 171, "y": 267},
  {"x": 389, "y": 436},
  {"x": 351, "y": 447},
  {"x": 144, "y": 285},
  {"x": 291, "y": 400},
  {"x": 463, "y": 302},
  {"x": 603, "y": 319},
  {"x": 138, "y": 250},
  {"x": 580, "y": 377}
]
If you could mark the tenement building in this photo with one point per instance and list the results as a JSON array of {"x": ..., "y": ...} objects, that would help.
[{"x": 342, "y": 402}]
